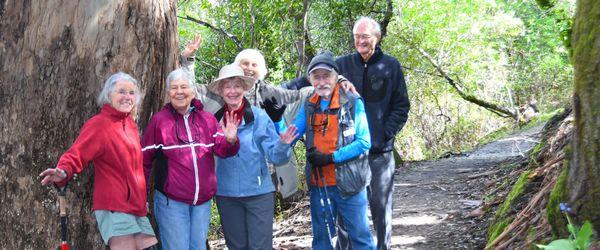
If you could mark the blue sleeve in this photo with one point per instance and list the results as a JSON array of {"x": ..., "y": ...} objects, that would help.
[
  {"x": 280, "y": 126},
  {"x": 299, "y": 122},
  {"x": 362, "y": 138},
  {"x": 267, "y": 138}
]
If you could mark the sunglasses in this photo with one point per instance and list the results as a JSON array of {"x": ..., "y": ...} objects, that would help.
[
  {"x": 321, "y": 125},
  {"x": 183, "y": 139}
]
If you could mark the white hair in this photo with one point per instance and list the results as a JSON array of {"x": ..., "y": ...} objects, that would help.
[
  {"x": 181, "y": 74},
  {"x": 109, "y": 87},
  {"x": 374, "y": 25},
  {"x": 253, "y": 54}
]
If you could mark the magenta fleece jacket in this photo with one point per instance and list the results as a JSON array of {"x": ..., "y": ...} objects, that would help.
[{"x": 182, "y": 148}]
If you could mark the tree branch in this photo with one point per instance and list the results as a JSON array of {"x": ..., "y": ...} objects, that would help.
[
  {"x": 207, "y": 64},
  {"x": 232, "y": 37},
  {"x": 387, "y": 18},
  {"x": 492, "y": 107},
  {"x": 421, "y": 71}
]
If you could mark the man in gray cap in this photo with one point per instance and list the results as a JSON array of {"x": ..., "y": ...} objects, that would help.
[
  {"x": 337, "y": 167},
  {"x": 379, "y": 80}
]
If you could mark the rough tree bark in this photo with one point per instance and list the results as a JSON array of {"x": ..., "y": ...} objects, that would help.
[
  {"x": 583, "y": 186},
  {"x": 54, "y": 58}
]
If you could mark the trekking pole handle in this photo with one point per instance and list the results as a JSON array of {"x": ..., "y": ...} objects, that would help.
[
  {"x": 62, "y": 200},
  {"x": 62, "y": 204}
]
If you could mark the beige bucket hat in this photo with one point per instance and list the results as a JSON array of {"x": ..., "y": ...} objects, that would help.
[{"x": 227, "y": 71}]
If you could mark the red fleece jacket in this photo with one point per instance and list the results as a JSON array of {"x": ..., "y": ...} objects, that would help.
[{"x": 111, "y": 141}]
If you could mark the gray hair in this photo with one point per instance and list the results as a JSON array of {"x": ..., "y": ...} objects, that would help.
[
  {"x": 255, "y": 55},
  {"x": 109, "y": 87},
  {"x": 182, "y": 74},
  {"x": 374, "y": 25}
]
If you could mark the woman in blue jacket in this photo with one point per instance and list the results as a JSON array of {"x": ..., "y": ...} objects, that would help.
[{"x": 245, "y": 197}]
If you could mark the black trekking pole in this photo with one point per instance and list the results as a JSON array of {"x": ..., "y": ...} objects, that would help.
[
  {"x": 62, "y": 205},
  {"x": 316, "y": 175},
  {"x": 323, "y": 180}
]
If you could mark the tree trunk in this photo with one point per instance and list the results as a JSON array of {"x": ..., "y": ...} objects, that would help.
[
  {"x": 303, "y": 45},
  {"x": 583, "y": 185},
  {"x": 54, "y": 59}
]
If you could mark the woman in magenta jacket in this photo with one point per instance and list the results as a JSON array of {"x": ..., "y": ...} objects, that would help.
[
  {"x": 110, "y": 139},
  {"x": 182, "y": 140}
]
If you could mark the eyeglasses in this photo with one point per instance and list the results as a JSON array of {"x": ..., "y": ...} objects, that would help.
[
  {"x": 320, "y": 126},
  {"x": 362, "y": 36}
]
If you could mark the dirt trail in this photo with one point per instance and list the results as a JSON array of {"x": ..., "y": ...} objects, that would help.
[{"x": 433, "y": 199}]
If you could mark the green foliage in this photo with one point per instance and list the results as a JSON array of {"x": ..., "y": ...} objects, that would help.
[
  {"x": 557, "y": 195},
  {"x": 495, "y": 135},
  {"x": 515, "y": 192},
  {"x": 508, "y": 52},
  {"x": 300, "y": 153},
  {"x": 542, "y": 118},
  {"x": 497, "y": 228},
  {"x": 579, "y": 238},
  {"x": 502, "y": 217},
  {"x": 214, "y": 227}
]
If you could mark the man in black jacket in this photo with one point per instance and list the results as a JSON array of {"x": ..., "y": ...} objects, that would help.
[{"x": 378, "y": 78}]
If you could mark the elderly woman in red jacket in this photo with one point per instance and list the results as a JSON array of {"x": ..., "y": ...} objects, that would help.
[{"x": 111, "y": 141}]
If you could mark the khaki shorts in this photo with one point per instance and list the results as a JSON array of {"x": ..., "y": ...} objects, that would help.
[{"x": 118, "y": 224}]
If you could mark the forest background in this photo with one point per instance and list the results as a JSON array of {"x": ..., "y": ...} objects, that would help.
[
  {"x": 472, "y": 68},
  {"x": 508, "y": 54}
]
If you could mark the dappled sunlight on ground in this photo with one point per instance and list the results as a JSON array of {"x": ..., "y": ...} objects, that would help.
[
  {"x": 404, "y": 184},
  {"x": 417, "y": 220},
  {"x": 432, "y": 200},
  {"x": 293, "y": 242},
  {"x": 402, "y": 240}
]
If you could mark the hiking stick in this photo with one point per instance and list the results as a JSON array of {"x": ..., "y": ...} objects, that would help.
[
  {"x": 323, "y": 205},
  {"x": 62, "y": 205},
  {"x": 323, "y": 181}
]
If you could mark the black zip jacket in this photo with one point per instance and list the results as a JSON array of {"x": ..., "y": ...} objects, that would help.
[{"x": 380, "y": 82}]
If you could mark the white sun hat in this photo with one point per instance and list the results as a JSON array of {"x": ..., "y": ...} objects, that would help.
[{"x": 228, "y": 71}]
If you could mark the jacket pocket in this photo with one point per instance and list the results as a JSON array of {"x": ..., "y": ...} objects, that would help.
[
  {"x": 376, "y": 88},
  {"x": 348, "y": 128},
  {"x": 353, "y": 176}
]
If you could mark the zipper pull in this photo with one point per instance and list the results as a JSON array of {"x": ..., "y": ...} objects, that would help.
[{"x": 259, "y": 183}]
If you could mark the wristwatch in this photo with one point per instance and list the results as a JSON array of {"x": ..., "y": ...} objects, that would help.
[{"x": 61, "y": 173}]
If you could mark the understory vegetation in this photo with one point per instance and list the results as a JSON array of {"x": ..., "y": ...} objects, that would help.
[
  {"x": 475, "y": 71},
  {"x": 507, "y": 53}
]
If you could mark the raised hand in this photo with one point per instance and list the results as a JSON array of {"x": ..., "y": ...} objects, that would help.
[
  {"x": 346, "y": 85},
  {"x": 290, "y": 134},
  {"x": 192, "y": 46},
  {"x": 230, "y": 127},
  {"x": 52, "y": 175}
]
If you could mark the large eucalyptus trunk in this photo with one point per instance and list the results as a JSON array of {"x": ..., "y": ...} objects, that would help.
[
  {"x": 54, "y": 58},
  {"x": 583, "y": 185}
]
